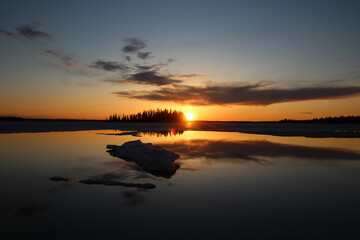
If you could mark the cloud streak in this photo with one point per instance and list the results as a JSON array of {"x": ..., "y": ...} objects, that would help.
[
  {"x": 67, "y": 60},
  {"x": 255, "y": 95},
  {"x": 144, "y": 55},
  {"x": 192, "y": 75},
  {"x": 109, "y": 66},
  {"x": 133, "y": 45},
  {"x": 173, "y": 89},
  {"x": 8, "y": 34},
  {"x": 30, "y": 33},
  {"x": 27, "y": 32},
  {"x": 151, "y": 78},
  {"x": 132, "y": 71}
]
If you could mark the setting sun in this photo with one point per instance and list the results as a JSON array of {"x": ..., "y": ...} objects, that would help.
[{"x": 189, "y": 116}]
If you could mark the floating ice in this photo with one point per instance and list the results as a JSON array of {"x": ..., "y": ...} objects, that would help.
[{"x": 153, "y": 159}]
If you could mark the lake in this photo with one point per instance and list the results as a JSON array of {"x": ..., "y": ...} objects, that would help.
[{"x": 229, "y": 185}]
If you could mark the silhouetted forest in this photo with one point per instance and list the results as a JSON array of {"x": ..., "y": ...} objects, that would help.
[
  {"x": 159, "y": 115},
  {"x": 11, "y": 118},
  {"x": 340, "y": 119}
]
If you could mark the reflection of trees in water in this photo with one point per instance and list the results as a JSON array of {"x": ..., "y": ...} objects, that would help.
[
  {"x": 167, "y": 133},
  {"x": 164, "y": 133}
]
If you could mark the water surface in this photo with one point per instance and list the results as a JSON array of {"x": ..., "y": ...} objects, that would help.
[{"x": 228, "y": 185}]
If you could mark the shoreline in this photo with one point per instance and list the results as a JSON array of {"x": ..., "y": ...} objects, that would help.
[{"x": 266, "y": 128}]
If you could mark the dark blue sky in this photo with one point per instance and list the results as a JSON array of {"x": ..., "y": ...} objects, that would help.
[{"x": 286, "y": 44}]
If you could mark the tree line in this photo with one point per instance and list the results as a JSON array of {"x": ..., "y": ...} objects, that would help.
[
  {"x": 340, "y": 119},
  {"x": 11, "y": 118},
  {"x": 158, "y": 115}
]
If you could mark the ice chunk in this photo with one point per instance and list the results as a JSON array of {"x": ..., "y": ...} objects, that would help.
[{"x": 153, "y": 159}]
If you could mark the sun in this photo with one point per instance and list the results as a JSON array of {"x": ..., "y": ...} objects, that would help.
[{"x": 189, "y": 116}]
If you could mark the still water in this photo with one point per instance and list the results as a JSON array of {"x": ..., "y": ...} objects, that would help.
[{"x": 229, "y": 185}]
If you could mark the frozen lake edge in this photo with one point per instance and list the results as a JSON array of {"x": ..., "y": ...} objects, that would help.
[{"x": 267, "y": 128}]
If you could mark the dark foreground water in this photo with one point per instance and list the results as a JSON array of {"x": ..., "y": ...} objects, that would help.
[{"x": 228, "y": 186}]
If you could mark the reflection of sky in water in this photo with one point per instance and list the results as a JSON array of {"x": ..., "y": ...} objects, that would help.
[{"x": 229, "y": 184}]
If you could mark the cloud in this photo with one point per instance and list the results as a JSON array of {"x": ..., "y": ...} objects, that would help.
[
  {"x": 109, "y": 66},
  {"x": 144, "y": 55},
  {"x": 131, "y": 71},
  {"x": 133, "y": 45},
  {"x": 8, "y": 34},
  {"x": 27, "y": 32},
  {"x": 30, "y": 33},
  {"x": 307, "y": 113},
  {"x": 51, "y": 53},
  {"x": 139, "y": 74},
  {"x": 192, "y": 75},
  {"x": 147, "y": 67},
  {"x": 67, "y": 60},
  {"x": 255, "y": 95},
  {"x": 170, "y": 60},
  {"x": 151, "y": 78}
]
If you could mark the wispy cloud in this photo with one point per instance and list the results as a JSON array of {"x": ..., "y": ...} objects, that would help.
[
  {"x": 30, "y": 33},
  {"x": 128, "y": 58},
  {"x": 192, "y": 75},
  {"x": 239, "y": 95},
  {"x": 173, "y": 89},
  {"x": 51, "y": 53},
  {"x": 109, "y": 66},
  {"x": 309, "y": 113},
  {"x": 67, "y": 60},
  {"x": 133, "y": 45},
  {"x": 145, "y": 78},
  {"x": 151, "y": 78},
  {"x": 8, "y": 34},
  {"x": 144, "y": 55},
  {"x": 133, "y": 71},
  {"x": 27, "y": 32}
]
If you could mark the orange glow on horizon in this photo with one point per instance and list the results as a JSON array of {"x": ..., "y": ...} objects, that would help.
[{"x": 95, "y": 105}]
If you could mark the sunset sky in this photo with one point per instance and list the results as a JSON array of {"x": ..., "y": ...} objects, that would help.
[{"x": 221, "y": 60}]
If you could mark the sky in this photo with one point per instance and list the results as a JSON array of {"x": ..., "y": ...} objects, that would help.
[{"x": 221, "y": 60}]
